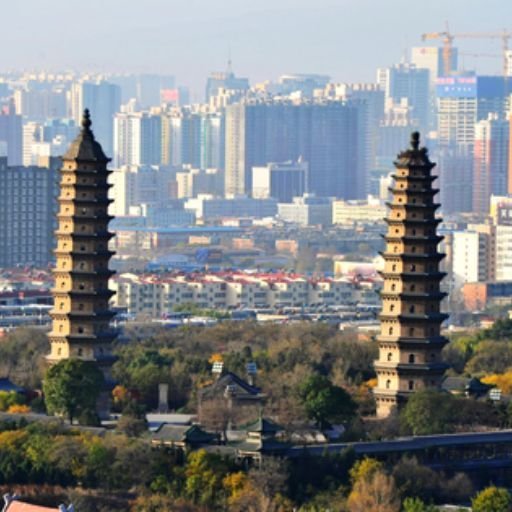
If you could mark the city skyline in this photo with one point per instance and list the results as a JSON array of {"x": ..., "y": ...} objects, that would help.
[{"x": 193, "y": 39}]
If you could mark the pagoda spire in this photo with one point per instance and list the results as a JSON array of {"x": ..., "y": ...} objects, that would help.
[{"x": 410, "y": 341}]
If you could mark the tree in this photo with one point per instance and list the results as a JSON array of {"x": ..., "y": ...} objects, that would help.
[
  {"x": 72, "y": 386},
  {"x": 428, "y": 412},
  {"x": 364, "y": 469},
  {"x": 492, "y": 499},
  {"x": 490, "y": 357},
  {"x": 378, "y": 494},
  {"x": 325, "y": 402},
  {"x": 417, "y": 505}
]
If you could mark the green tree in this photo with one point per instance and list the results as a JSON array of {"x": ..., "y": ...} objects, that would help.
[
  {"x": 417, "y": 505},
  {"x": 72, "y": 386},
  {"x": 324, "y": 402},
  {"x": 428, "y": 412},
  {"x": 492, "y": 499}
]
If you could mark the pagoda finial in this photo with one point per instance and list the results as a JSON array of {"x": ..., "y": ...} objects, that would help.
[
  {"x": 86, "y": 121},
  {"x": 415, "y": 140}
]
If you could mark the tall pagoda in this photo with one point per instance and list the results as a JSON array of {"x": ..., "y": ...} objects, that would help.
[
  {"x": 81, "y": 315},
  {"x": 410, "y": 341}
]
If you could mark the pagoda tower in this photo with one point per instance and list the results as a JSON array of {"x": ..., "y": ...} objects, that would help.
[
  {"x": 410, "y": 341},
  {"x": 81, "y": 315}
]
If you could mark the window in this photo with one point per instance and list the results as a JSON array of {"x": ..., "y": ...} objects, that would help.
[
  {"x": 80, "y": 307},
  {"x": 80, "y": 352},
  {"x": 393, "y": 268},
  {"x": 411, "y": 309},
  {"x": 411, "y": 385},
  {"x": 393, "y": 287},
  {"x": 413, "y": 268},
  {"x": 412, "y": 358},
  {"x": 432, "y": 357},
  {"x": 388, "y": 384},
  {"x": 61, "y": 305},
  {"x": 80, "y": 330},
  {"x": 392, "y": 307},
  {"x": 390, "y": 356},
  {"x": 411, "y": 331},
  {"x": 390, "y": 331},
  {"x": 59, "y": 351},
  {"x": 413, "y": 249},
  {"x": 413, "y": 287}
]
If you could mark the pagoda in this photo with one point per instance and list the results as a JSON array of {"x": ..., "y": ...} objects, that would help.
[
  {"x": 410, "y": 341},
  {"x": 81, "y": 315}
]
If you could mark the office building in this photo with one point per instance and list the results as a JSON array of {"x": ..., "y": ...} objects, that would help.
[
  {"x": 307, "y": 210},
  {"x": 282, "y": 181}
]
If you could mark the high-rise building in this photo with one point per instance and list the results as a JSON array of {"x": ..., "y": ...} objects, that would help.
[
  {"x": 103, "y": 99},
  {"x": 432, "y": 58},
  {"x": 81, "y": 313},
  {"x": 470, "y": 257},
  {"x": 27, "y": 209},
  {"x": 137, "y": 139},
  {"x": 410, "y": 341},
  {"x": 11, "y": 133},
  {"x": 491, "y": 163},
  {"x": 408, "y": 81},
  {"x": 225, "y": 80},
  {"x": 329, "y": 135},
  {"x": 282, "y": 181}
]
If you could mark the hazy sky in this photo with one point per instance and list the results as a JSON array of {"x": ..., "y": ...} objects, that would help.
[{"x": 346, "y": 39}]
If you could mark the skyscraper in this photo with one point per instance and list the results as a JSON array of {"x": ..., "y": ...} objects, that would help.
[
  {"x": 410, "y": 340},
  {"x": 329, "y": 135},
  {"x": 408, "y": 81},
  {"x": 81, "y": 314},
  {"x": 103, "y": 99},
  {"x": 11, "y": 133},
  {"x": 137, "y": 139},
  {"x": 490, "y": 161}
]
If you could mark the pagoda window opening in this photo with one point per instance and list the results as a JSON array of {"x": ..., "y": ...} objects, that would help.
[
  {"x": 392, "y": 307},
  {"x": 390, "y": 331},
  {"x": 411, "y": 385},
  {"x": 412, "y": 358},
  {"x": 393, "y": 268},
  {"x": 82, "y": 247},
  {"x": 414, "y": 200},
  {"x": 390, "y": 356},
  {"x": 413, "y": 287},
  {"x": 80, "y": 352},
  {"x": 413, "y": 268},
  {"x": 80, "y": 307},
  {"x": 81, "y": 286},
  {"x": 84, "y": 211},
  {"x": 413, "y": 231},
  {"x": 411, "y": 331},
  {"x": 80, "y": 330},
  {"x": 412, "y": 309},
  {"x": 61, "y": 327},
  {"x": 63, "y": 284},
  {"x": 61, "y": 305},
  {"x": 59, "y": 351},
  {"x": 432, "y": 357},
  {"x": 413, "y": 248},
  {"x": 388, "y": 384},
  {"x": 393, "y": 287}
]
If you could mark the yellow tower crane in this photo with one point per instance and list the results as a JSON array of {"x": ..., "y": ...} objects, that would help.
[{"x": 447, "y": 38}]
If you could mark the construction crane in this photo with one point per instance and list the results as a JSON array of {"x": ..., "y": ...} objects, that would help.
[{"x": 447, "y": 38}]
